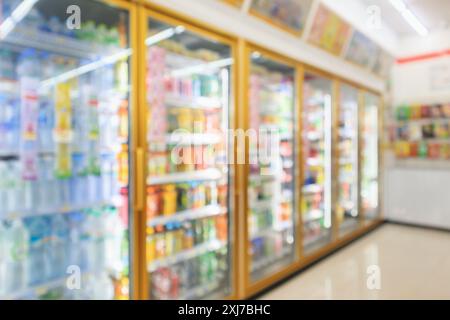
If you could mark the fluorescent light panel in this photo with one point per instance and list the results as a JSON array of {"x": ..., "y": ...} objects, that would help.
[
  {"x": 16, "y": 16},
  {"x": 410, "y": 17}
]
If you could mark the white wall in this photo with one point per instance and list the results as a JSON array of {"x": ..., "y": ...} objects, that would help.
[{"x": 418, "y": 191}]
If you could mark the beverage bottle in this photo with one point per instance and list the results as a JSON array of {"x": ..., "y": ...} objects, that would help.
[
  {"x": 123, "y": 165},
  {"x": 38, "y": 258},
  {"x": 28, "y": 71},
  {"x": 47, "y": 184},
  {"x": 15, "y": 249},
  {"x": 92, "y": 250},
  {"x": 59, "y": 245},
  {"x": 75, "y": 221},
  {"x": 114, "y": 230},
  {"x": 78, "y": 180}
]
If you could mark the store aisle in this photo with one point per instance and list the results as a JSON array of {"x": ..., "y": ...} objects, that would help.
[{"x": 413, "y": 263}]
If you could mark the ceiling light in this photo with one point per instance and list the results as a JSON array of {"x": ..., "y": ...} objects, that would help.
[{"x": 410, "y": 17}]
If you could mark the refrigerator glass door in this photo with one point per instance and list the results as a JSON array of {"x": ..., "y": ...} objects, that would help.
[
  {"x": 64, "y": 141},
  {"x": 316, "y": 202},
  {"x": 271, "y": 219},
  {"x": 188, "y": 184},
  {"x": 347, "y": 192},
  {"x": 370, "y": 157}
]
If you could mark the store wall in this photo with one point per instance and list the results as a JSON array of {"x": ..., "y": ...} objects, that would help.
[
  {"x": 418, "y": 191},
  {"x": 239, "y": 23}
]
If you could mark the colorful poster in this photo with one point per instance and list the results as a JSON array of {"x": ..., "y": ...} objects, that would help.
[
  {"x": 362, "y": 50},
  {"x": 288, "y": 14},
  {"x": 383, "y": 63},
  {"x": 329, "y": 31}
]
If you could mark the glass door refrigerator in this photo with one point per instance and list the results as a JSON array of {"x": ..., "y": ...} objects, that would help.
[
  {"x": 347, "y": 212},
  {"x": 271, "y": 167},
  {"x": 189, "y": 99},
  {"x": 64, "y": 149},
  {"x": 370, "y": 162},
  {"x": 317, "y": 137}
]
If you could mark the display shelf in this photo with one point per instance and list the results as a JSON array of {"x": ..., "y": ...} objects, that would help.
[
  {"x": 24, "y": 36},
  {"x": 314, "y": 135},
  {"x": 256, "y": 178},
  {"x": 206, "y": 103},
  {"x": 21, "y": 214},
  {"x": 315, "y": 239},
  {"x": 266, "y": 261},
  {"x": 176, "y": 60},
  {"x": 279, "y": 227},
  {"x": 312, "y": 215},
  {"x": 34, "y": 290},
  {"x": 208, "y": 211},
  {"x": 198, "y": 250},
  {"x": 9, "y": 87},
  {"x": 194, "y": 138},
  {"x": 199, "y": 291},
  {"x": 261, "y": 205},
  {"x": 177, "y": 177},
  {"x": 312, "y": 188},
  {"x": 314, "y": 162},
  {"x": 37, "y": 290}
]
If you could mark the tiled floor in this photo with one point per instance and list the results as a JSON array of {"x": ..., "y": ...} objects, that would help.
[{"x": 412, "y": 263}]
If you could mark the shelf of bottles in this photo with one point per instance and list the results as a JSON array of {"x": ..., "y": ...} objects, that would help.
[
  {"x": 370, "y": 156},
  {"x": 188, "y": 81},
  {"x": 271, "y": 186},
  {"x": 63, "y": 152},
  {"x": 316, "y": 199},
  {"x": 347, "y": 191}
]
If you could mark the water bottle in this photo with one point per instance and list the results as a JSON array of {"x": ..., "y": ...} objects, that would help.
[
  {"x": 38, "y": 259},
  {"x": 28, "y": 71},
  {"x": 89, "y": 241},
  {"x": 59, "y": 246},
  {"x": 79, "y": 179},
  {"x": 75, "y": 221},
  {"x": 113, "y": 239},
  {"x": 15, "y": 249}
]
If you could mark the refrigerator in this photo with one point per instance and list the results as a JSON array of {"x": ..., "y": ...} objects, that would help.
[
  {"x": 317, "y": 167},
  {"x": 189, "y": 181},
  {"x": 370, "y": 156},
  {"x": 271, "y": 168},
  {"x": 64, "y": 149},
  {"x": 347, "y": 204}
]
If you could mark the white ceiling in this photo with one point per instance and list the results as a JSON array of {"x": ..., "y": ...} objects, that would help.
[{"x": 434, "y": 15}]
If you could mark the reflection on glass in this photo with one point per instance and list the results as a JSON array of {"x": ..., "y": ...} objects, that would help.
[
  {"x": 188, "y": 96},
  {"x": 347, "y": 202},
  {"x": 370, "y": 136},
  {"x": 317, "y": 138},
  {"x": 64, "y": 173},
  {"x": 272, "y": 163}
]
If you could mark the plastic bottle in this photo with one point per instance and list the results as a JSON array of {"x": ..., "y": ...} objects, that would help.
[
  {"x": 59, "y": 245},
  {"x": 15, "y": 249},
  {"x": 114, "y": 230},
  {"x": 28, "y": 71},
  {"x": 75, "y": 221},
  {"x": 38, "y": 260}
]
